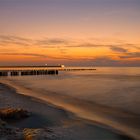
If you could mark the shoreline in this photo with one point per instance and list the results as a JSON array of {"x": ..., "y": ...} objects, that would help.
[{"x": 59, "y": 119}]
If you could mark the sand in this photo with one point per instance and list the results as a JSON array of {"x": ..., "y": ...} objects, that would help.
[{"x": 62, "y": 124}]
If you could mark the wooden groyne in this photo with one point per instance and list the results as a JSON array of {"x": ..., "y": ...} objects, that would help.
[
  {"x": 36, "y": 70},
  {"x": 28, "y": 72}
]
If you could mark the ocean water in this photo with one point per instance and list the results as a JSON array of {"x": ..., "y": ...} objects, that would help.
[
  {"x": 115, "y": 87},
  {"x": 103, "y": 95}
]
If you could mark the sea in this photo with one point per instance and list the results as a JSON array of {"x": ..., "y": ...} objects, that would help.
[{"x": 107, "y": 95}]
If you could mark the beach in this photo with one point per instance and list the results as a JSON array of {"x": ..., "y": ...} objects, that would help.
[
  {"x": 62, "y": 124},
  {"x": 99, "y": 105}
]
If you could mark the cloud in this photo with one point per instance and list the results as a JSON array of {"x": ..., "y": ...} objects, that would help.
[
  {"x": 51, "y": 42},
  {"x": 118, "y": 49},
  {"x": 104, "y": 61},
  {"x": 55, "y": 41},
  {"x": 63, "y": 45},
  {"x": 4, "y": 40},
  {"x": 20, "y": 41},
  {"x": 25, "y": 54},
  {"x": 107, "y": 61},
  {"x": 65, "y": 57},
  {"x": 67, "y": 43},
  {"x": 84, "y": 45},
  {"x": 131, "y": 55},
  {"x": 100, "y": 61}
]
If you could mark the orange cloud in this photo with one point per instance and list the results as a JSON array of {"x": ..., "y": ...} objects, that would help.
[{"x": 17, "y": 49}]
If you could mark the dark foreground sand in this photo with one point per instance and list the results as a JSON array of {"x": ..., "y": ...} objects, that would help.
[{"x": 50, "y": 122}]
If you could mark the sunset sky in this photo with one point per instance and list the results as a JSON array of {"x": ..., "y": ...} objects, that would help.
[{"x": 70, "y": 32}]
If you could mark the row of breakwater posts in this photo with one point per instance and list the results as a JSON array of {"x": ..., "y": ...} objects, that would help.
[
  {"x": 28, "y": 72},
  {"x": 36, "y": 70}
]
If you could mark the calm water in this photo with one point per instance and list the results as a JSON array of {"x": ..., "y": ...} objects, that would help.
[
  {"x": 88, "y": 94},
  {"x": 116, "y": 87}
]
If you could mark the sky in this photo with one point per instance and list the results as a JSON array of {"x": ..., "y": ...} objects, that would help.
[{"x": 70, "y": 32}]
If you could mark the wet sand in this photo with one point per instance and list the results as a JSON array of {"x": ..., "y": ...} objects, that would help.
[{"x": 63, "y": 124}]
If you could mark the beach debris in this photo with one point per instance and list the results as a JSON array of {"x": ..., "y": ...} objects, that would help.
[
  {"x": 8, "y": 132},
  {"x": 11, "y": 113},
  {"x": 37, "y": 134},
  {"x": 11, "y": 133}
]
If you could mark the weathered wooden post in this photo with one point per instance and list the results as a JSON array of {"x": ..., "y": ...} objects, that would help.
[
  {"x": 56, "y": 72},
  {"x": 4, "y": 73}
]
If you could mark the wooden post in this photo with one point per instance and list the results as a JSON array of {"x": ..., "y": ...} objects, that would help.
[
  {"x": 56, "y": 72},
  {"x": 4, "y": 73}
]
